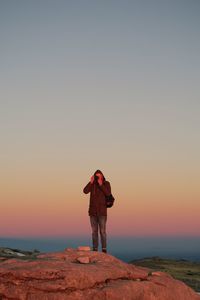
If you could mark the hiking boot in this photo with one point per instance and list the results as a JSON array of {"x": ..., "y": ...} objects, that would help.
[
  {"x": 104, "y": 250},
  {"x": 95, "y": 249}
]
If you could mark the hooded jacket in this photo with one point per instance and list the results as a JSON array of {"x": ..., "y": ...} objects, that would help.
[{"x": 97, "y": 205}]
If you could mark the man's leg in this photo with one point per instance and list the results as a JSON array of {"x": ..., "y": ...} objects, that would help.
[
  {"x": 94, "y": 225},
  {"x": 102, "y": 227}
]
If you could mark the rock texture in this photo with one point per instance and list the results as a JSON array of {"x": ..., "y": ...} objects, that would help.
[
  {"x": 60, "y": 276},
  {"x": 83, "y": 248}
]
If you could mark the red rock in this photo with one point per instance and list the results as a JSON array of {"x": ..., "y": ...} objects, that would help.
[
  {"x": 83, "y": 259},
  {"x": 83, "y": 248},
  {"x": 58, "y": 276},
  {"x": 156, "y": 273}
]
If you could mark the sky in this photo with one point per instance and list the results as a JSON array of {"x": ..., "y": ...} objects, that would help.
[{"x": 109, "y": 85}]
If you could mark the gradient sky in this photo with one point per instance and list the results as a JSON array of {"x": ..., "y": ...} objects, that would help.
[{"x": 109, "y": 85}]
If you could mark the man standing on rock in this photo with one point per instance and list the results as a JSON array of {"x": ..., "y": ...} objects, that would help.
[{"x": 98, "y": 188}]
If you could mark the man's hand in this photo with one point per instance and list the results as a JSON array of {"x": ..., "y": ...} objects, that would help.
[
  {"x": 92, "y": 179},
  {"x": 100, "y": 179}
]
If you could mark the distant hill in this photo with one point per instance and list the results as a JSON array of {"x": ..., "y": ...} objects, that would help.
[
  {"x": 184, "y": 270},
  {"x": 7, "y": 253}
]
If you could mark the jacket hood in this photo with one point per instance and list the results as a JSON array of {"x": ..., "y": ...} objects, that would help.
[{"x": 99, "y": 171}]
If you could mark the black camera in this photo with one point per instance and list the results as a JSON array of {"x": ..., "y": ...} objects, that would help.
[{"x": 96, "y": 178}]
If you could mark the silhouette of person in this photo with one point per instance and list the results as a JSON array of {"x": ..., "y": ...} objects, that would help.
[{"x": 99, "y": 188}]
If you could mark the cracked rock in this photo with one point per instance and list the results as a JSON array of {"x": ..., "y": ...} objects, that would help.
[{"x": 56, "y": 276}]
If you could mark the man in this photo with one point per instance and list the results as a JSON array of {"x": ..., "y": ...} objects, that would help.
[{"x": 98, "y": 188}]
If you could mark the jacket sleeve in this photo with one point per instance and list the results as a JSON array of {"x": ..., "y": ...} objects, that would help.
[
  {"x": 106, "y": 188},
  {"x": 87, "y": 188}
]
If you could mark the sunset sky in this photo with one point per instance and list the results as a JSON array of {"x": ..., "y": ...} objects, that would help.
[{"x": 109, "y": 85}]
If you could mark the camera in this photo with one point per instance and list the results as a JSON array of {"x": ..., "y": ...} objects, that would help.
[{"x": 96, "y": 178}]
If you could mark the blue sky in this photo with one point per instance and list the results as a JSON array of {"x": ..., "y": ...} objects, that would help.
[{"x": 111, "y": 85}]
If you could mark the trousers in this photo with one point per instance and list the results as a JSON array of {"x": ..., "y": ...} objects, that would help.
[{"x": 98, "y": 223}]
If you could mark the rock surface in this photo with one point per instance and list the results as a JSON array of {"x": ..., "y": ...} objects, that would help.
[
  {"x": 59, "y": 276},
  {"x": 83, "y": 259},
  {"x": 83, "y": 248}
]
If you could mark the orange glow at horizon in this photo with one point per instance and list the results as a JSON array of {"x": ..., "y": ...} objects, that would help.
[{"x": 57, "y": 210}]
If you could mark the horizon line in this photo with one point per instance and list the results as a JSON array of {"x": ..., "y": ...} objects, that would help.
[{"x": 88, "y": 236}]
